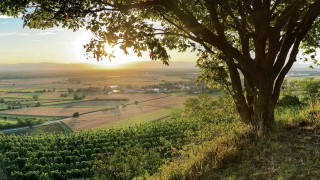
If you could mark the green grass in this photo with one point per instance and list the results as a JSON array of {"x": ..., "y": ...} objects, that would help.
[
  {"x": 196, "y": 161},
  {"x": 8, "y": 121},
  {"x": 12, "y": 119}
]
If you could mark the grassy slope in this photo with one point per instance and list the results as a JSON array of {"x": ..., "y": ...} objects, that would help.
[{"x": 289, "y": 153}]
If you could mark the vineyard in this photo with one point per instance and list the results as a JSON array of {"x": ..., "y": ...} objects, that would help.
[{"x": 119, "y": 153}]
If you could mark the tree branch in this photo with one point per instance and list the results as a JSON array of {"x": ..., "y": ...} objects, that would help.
[
  {"x": 284, "y": 71},
  {"x": 238, "y": 94},
  {"x": 287, "y": 13}
]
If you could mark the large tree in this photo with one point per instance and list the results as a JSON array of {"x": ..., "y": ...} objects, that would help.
[{"x": 246, "y": 45}]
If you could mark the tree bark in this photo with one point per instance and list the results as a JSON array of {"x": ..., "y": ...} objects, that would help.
[
  {"x": 262, "y": 118},
  {"x": 258, "y": 110}
]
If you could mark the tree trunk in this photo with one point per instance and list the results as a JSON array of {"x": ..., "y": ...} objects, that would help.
[
  {"x": 260, "y": 112},
  {"x": 262, "y": 118}
]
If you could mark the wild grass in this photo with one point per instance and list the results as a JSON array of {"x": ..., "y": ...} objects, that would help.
[
  {"x": 196, "y": 161},
  {"x": 288, "y": 153},
  {"x": 308, "y": 114},
  {"x": 291, "y": 151}
]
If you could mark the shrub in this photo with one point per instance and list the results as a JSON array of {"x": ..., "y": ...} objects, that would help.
[
  {"x": 35, "y": 97},
  {"x": 289, "y": 101},
  {"x": 63, "y": 95},
  {"x": 76, "y": 114},
  {"x": 78, "y": 97}
]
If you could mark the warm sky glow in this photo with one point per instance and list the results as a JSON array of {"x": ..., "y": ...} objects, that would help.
[
  {"x": 120, "y": 57},
  {"x": 23, "y": 45}
]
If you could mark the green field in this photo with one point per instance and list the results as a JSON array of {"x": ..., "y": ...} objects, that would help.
[
  {"x": 53, "y": 128},
  {"x": 9, "y": 121}
]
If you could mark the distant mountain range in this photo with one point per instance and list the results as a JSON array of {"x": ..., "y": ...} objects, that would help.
[
  {"x": 23, "y": 67},
  {"x": 143, "y": 65}
]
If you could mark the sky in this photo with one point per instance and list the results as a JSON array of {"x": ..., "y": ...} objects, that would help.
[{"x": 57, "y": 45}]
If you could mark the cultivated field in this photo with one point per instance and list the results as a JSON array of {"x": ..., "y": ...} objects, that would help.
[
  {"x": 58, "y": 95},
  {"x": 125, "y": 113}
]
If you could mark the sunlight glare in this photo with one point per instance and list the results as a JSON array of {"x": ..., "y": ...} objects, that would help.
[{"x": 120, "y": 57}]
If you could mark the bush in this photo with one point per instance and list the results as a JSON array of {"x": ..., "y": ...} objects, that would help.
[
  {"x": 37, "y": 105},
  {"x": 78, "y": 97},
  {"x": 63, "y": 95},
  {"x": 289, "y": 101},
  {"x": 76, "y": 114},
  {"x": 22, "y": 122},
  {"x": 35, "y": 97}
]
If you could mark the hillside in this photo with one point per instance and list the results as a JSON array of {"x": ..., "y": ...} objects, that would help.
[
  {"x": 112, "y": 154},
  {"x": 123, "y": 153},
  {"x": 205, "y": 142},
  {"x": 290, "y": 153}
]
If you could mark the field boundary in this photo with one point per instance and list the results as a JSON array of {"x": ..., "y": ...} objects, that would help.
[
  {"x": 25, "y": 115},
  {"x": 161, "y": 118},
  {"x": 73, "y": 101},
  {"x": 65, "y": 127},
  {"x": 164, "y": 107}
]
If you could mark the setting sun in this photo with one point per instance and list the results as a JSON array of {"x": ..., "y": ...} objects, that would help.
[{"x": 120, "y": 57}]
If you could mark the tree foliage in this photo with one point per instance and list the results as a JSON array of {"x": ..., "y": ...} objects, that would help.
[
  {"x": 13, "y": 7},
  {"x": 289, "y": 101}
]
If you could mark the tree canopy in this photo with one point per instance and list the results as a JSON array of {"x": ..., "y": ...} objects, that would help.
[
  {"x": 246, "y": 45},
  {"x": 13, "y": 7}
]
